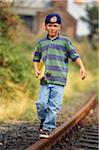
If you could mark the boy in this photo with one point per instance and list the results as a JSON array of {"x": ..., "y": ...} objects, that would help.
[{"x": 54, "y": 50}]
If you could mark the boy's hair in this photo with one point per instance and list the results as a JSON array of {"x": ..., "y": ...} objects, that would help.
[{"x": 53, "y": 18}]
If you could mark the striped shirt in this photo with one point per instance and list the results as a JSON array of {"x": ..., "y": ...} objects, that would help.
[{"x": 55, "y": 53}]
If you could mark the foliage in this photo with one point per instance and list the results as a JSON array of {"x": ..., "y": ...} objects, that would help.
[
  {"x": 8, "y": 21},
  {"x": 18, "y": 86},
  {"x": 14, "y": 65},
  {"x": 75, "y": 85},
  {"x": 92, "y": 20}
]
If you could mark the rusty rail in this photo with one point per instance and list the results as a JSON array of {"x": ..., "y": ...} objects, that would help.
[{"x": 45, "y": 144}]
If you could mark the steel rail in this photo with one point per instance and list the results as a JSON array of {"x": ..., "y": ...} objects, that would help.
[{"x": 46, "y": 144}]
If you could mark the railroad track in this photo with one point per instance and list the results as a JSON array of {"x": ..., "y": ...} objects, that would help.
[
  {"x": 89, "y": 137},
  {"x": 65, "y": 128}
]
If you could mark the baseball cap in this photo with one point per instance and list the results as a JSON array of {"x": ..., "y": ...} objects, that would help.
[{"x": 53, "y": 18}]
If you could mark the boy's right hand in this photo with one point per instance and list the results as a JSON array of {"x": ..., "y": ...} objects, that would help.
[
  {"x": 37, "y": 73},
  {"x": 39, "y": 68}
]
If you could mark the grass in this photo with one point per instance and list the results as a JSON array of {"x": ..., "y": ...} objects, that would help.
[
  {"x": 17, "y": 99},
  {"x": 17, "y": 107},
  {"x": 75, "y": 85}
]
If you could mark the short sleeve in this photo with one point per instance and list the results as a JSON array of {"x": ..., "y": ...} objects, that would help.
[
  {"x": 71, "y": 51},
  {"x": 37, "y": 53}
]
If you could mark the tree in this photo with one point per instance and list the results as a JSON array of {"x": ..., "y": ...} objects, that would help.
[
  {"x": 8, "y": 21},
  {"x": 92, "y": 20}
]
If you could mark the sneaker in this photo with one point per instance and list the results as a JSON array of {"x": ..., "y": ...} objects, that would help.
[
  {"x": 41, "y": 124},
  {"x": 45, "y": 134}
]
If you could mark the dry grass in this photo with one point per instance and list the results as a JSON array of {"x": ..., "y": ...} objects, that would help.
[
  {"x": 15, "y": 108},
  {"x": 21, "y": 107}
]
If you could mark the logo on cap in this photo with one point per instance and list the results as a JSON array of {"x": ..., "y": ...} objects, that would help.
[{"x": 53, "y": 19}]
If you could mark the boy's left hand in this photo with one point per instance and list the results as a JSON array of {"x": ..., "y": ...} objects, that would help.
[{"x": 82, "y": 73}]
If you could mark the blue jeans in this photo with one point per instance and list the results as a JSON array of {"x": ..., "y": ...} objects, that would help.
[{"x": 49, "y": 104}]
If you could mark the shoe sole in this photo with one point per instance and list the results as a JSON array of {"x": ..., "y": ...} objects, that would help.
[{"x": 44, "y": 136}]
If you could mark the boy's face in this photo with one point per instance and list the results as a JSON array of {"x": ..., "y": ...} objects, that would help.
[{"x": 52, "y": 29}]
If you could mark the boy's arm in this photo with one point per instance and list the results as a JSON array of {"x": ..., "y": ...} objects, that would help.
[
  {"x": 74, "y": 56},
  {"x": 36, "y": 59},
  {"x": 79, "y": 62}
]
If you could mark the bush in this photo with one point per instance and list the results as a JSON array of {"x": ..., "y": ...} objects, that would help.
[{"x": 8, "y": 21}]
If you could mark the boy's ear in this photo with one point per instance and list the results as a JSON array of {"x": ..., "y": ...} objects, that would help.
[
  {"x": 60, "y": 27},
  {"x": 45, "y": 27}
]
